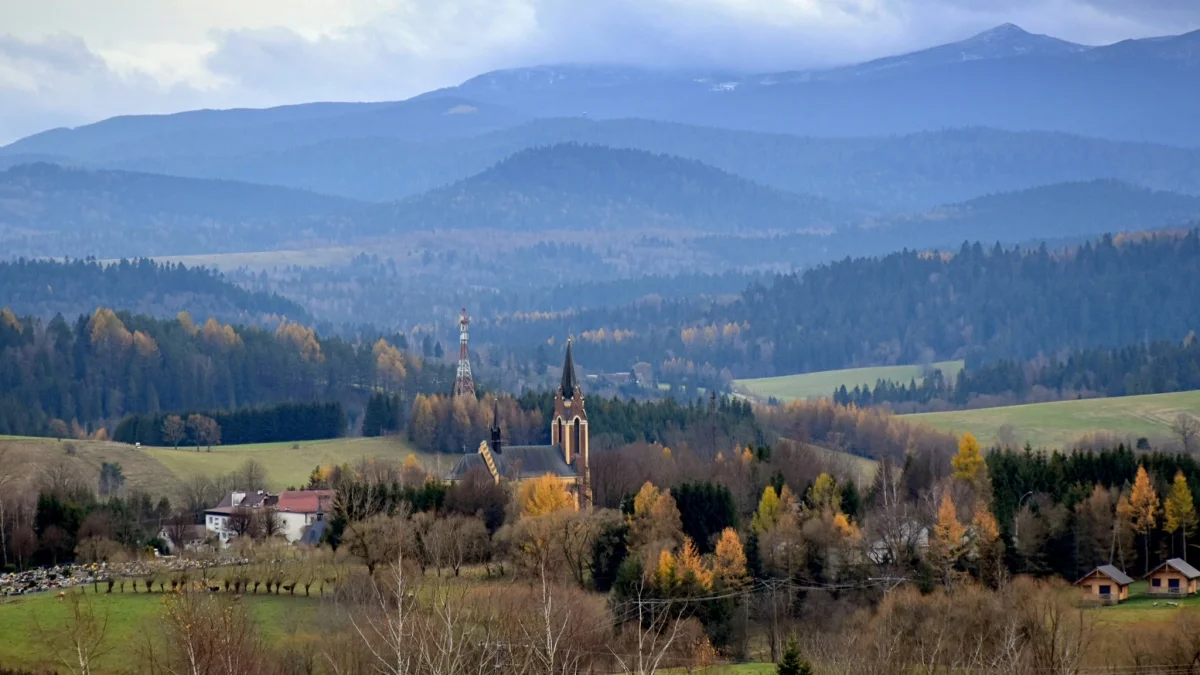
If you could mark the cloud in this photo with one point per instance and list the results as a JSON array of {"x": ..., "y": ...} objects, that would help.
[{"x": 68, "y": 63}]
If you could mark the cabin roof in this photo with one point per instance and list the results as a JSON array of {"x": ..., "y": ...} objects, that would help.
[
  {"x": 1179, "y": 565},
  {"x": 1118, "y": 577}
]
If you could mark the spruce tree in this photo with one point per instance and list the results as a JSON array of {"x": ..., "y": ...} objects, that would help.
[{"x": 792, "y": 663}]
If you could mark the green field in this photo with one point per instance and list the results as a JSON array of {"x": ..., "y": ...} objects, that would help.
[
  {"x": 162, "y": 471},
  {"x": 1062, "y": 423},
  {"x": 822, "y": 384},
  {"x": 130, "y": 616}
]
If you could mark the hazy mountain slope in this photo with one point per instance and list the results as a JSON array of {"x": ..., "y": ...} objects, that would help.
[
  {"x": 1052, "y": 212},
  {"x": 236, "y": 132},
  {"x": 48, "y": 287},
  {"x": 593, "y": 188},
  {"x": 50, "y": 210},
  {"x": 910, "y": 172}
]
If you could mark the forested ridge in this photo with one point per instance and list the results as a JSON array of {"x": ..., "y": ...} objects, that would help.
[
  {"x": 977, "y": 303},
  {"x": 44, "y": 288},
  {"x": 598, "y": 188},
  {"x": 88, "y": 373}
]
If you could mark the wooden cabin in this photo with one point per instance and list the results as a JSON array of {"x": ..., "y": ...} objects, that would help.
[
  {"x": 1106, "y": 584},
  {"x": 1173, "y": 578}
]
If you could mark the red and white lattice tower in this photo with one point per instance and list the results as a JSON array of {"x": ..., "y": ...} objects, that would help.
[{"x": 463, "y": 384}]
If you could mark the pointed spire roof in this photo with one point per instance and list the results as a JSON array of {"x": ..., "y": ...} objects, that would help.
[
  {"x": 569, "y": 383},
  {"x": 495, "y": 414}
]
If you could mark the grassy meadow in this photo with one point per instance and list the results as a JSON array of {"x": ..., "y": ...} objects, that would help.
[
  {"x": 27, "y": 622},
  {"x": 1061, "y": 423},
  {"x": 163, "y": 471},
  {"x": 822, "y": 384}
]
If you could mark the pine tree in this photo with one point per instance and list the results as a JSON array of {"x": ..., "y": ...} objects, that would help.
[
  {"x": 792, "y": 663},
  {"x": 1180, "y": 511}
]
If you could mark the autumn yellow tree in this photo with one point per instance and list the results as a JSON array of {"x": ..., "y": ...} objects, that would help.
[
  {"x": 389, "y": 365},
  {"x": 1144, "y": 504},
  {"x": 945, "y": 544},
  {"x": 655, "y": 521},
  {"x": 422, "y": 428},
  {"x": 1179, "y": 511},
  {"x": 968, "y": 464},
  {"x": 768, "y": 513},
  {"x": 729, "y": 559},
  {"x": 543, "y": 495},
  {"x": 690, "y": 571},
  {"x": 987, "y": 547},
  {"x": 825, "y": 494}
]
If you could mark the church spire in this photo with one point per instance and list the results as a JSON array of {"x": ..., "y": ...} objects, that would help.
[
  {"x": 569, "y": 383},
  {"x": 496, "y": 441}
]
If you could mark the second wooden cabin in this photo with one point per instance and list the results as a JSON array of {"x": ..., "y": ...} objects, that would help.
[{"x": 1173, "y": 578}]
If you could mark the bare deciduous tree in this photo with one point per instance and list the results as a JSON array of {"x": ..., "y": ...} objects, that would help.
[
  {"x": 174, "y": 430},
  {"x": 78, "y": 642},
  {"x": 1187, "y": 429}
]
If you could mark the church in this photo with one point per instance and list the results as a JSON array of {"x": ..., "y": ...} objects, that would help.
[{"x": 566, "y": 458}]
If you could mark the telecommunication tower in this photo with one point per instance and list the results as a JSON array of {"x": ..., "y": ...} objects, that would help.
[{"x": 463, "y": 384}]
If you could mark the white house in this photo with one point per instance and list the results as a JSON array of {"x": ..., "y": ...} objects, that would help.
[
  {"x": 299, "y": 509},
  {"x": 295, "y": 511},
  {"x": 216, "y": 519}
]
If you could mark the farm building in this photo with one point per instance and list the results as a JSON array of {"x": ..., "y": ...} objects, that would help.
[
  {"x": 1106, "y": 584},
  {"x": 1174, "y": 577}
]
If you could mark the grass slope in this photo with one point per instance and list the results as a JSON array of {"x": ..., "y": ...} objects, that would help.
[
  {"x": 822, "y": 384},
  {"x": 130, "y": 617},
  {"x": 163, "y": 471},
  {"x": 1061, "y": 423}
]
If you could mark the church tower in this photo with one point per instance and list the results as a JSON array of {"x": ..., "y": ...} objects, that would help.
[{"x": 569, "y": 430}]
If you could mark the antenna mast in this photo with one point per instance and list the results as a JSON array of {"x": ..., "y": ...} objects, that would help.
[{"x": 464, "y": 385}]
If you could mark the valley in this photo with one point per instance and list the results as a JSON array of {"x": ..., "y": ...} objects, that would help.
[{"x": 546, "y": 339}]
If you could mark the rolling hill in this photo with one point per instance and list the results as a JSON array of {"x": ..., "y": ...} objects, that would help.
[
  {"x": 49, "y": 210},
  {"x": 896, "y": 173},
  {"x": 47, "y": 287},
  {"x": 572, "y": 186}
]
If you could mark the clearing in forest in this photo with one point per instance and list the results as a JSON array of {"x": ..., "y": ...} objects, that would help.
[
  {"x": 1061, "y": 423},
  {"x": 822, "y": 384}
]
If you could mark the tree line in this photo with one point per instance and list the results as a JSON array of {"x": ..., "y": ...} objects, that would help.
[
  {"x": 260, "y": 424},
  {"x": 93, "y": 371},
  {"x": 46, "y": 287},
  {"x": 1154, "y": 368}
]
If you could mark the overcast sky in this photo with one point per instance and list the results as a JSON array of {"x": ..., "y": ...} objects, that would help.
[{"x": 69, "y": 62}]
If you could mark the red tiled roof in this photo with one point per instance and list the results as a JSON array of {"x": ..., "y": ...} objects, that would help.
[{"x": 305, "y": 501}]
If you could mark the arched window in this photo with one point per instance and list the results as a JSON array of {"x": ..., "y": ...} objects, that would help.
[{"x": 576, "y": 436}]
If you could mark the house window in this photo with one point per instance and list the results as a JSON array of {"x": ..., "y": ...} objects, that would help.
[
  {"x": 1173, "y": 584},
  {"x": 1156, "y": 582},
  {"x": 1106, "y": 590}
]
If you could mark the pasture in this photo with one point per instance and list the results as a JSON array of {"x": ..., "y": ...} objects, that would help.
[
  {"x": 163, "y": 471},
  {"x": 1061, "y": 423},
  {"x": 29, "y": 622},
  {"x": 822, "y": 384}
]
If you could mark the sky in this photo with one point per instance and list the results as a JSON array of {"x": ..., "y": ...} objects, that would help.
[{"x": 70, "y": 62}]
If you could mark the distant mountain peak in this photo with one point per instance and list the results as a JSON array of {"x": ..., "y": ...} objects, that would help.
[{"x": 1004, "y": 30}]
